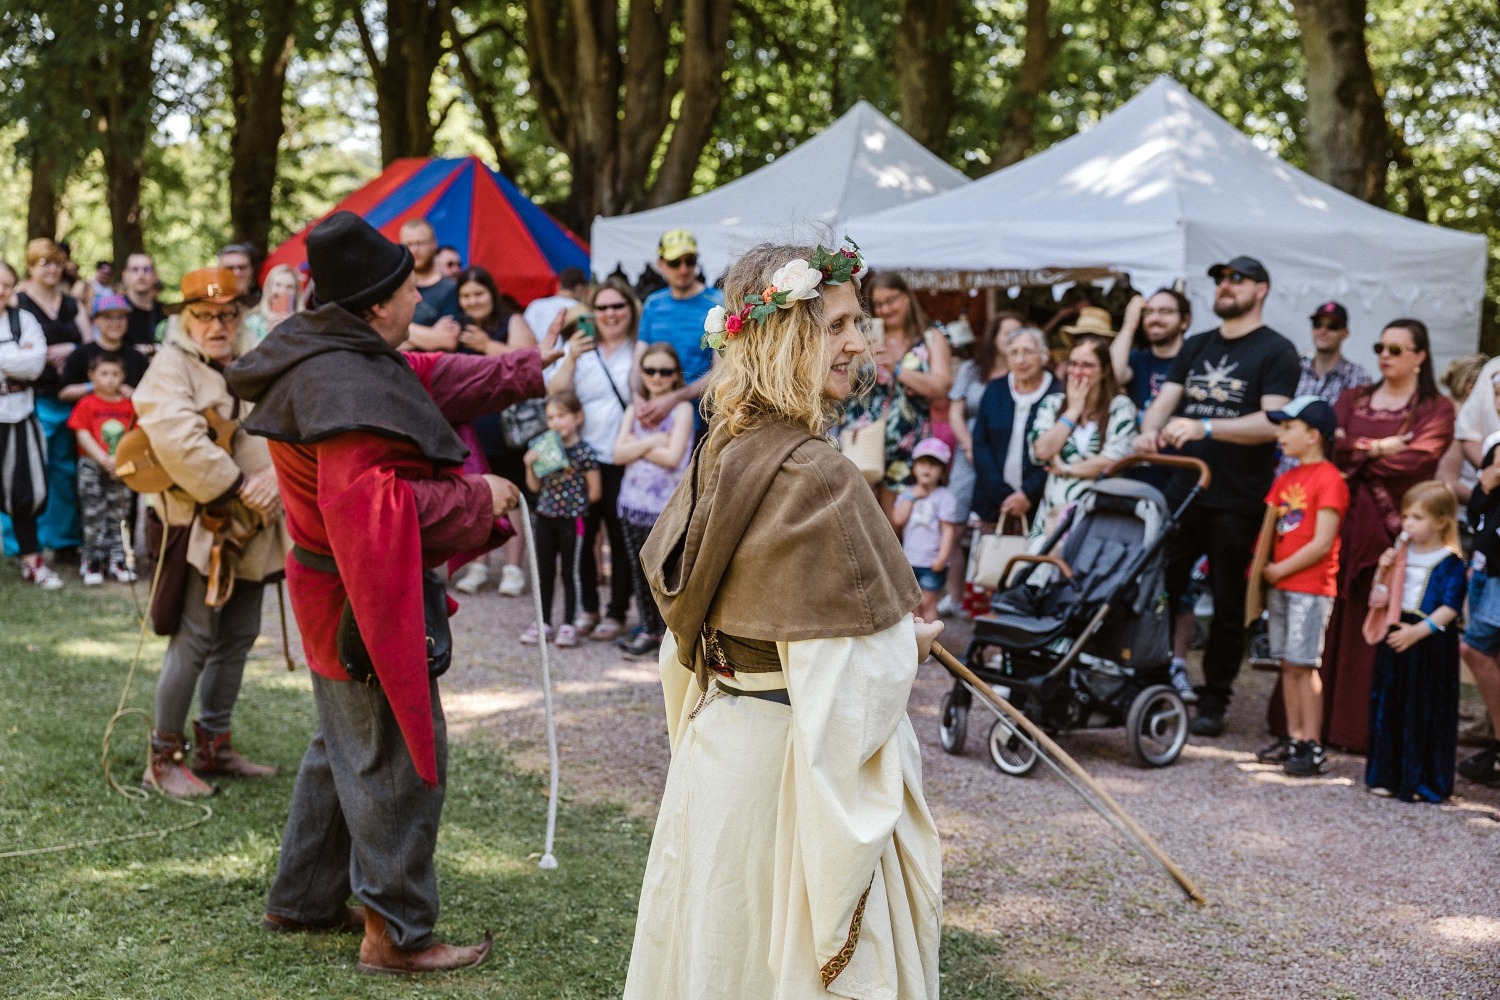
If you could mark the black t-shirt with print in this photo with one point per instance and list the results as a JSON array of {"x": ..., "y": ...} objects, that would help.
[{"x": 1222, "y": 379}]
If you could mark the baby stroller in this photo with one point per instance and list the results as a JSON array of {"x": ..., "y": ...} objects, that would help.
[{"x": 1082, "y": 639}]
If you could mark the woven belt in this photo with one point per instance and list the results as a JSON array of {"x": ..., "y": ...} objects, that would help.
[
  {"x": 314, "y": 560},
  {"x": 8, "y": 386},
  {"x": 778, "y": 695}
]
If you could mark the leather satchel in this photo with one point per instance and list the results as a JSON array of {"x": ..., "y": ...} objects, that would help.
[{"x": 355, "y": 657}]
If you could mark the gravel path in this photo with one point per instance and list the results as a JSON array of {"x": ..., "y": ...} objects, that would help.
[{"x": 1315, "y": 888}]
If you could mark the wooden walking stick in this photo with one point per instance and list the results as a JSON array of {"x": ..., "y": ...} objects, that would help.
[{"x": 1101, "y": 801}]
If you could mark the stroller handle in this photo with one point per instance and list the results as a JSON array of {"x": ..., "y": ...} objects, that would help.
[{"x": 1196, "y": 465}]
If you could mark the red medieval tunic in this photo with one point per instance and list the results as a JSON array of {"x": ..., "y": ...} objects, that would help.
[
  {"x": 384, "y": 512},
  {"x": 1376, "y": 487}
]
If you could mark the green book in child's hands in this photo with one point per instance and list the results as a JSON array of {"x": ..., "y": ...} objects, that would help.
[{"x": 551, "y": 456}]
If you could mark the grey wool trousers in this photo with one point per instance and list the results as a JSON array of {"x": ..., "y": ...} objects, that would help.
[{"x": 362, "y": 822}]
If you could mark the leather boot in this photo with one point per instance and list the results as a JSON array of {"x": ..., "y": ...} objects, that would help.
[
  {"x": 168, "y": 774},
  {"x": 378, "y": 954},
  {"x": 351, "y": 921},
  {"x": 215, "y": 754}
]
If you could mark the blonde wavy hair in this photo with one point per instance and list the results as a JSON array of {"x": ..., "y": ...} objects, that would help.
[
  {"x": 1437, "y": 499},
  {"x": 773, "y": 370}
]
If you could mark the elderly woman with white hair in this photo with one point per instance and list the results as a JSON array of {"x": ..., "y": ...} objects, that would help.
[
  {"x": 1008, "y": 481},
  {"x": 794, "y": 855}
]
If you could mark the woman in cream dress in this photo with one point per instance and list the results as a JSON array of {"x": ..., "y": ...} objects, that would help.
[{"x": 794, "y": 855}]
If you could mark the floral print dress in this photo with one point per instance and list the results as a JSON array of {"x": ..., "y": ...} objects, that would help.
[
  {"x": 908, "y": 416},
  {"x": 1086, "y": 442}
]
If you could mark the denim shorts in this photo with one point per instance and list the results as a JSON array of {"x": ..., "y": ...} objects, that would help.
[
  {"x": 1297, "y": 624},
  {"x": 1483, "y": 632},
  {"x": 931, "y": 580}
]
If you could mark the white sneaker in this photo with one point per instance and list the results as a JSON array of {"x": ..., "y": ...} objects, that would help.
[
  {"x": 92, "y": 577},
  {"x": 947, "y": 607},
  {"x": 512, "y": 582},
  {"x": 43, "y": 576},
  {"x": 120, "y": 573},
  {"x": 471, "y": 578}
]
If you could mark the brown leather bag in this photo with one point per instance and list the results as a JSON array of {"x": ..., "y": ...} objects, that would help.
[
  {"x": 170, "y": 581},
  {"x": 137, "y": 466}
]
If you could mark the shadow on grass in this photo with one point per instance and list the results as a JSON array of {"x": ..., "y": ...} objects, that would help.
[{"x": 179, "y": 916}]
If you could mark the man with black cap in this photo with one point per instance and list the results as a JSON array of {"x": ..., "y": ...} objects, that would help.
[
  {"x": 1213, "y": 406},
  {"x": 1326, "y": 373},
  {"x": 374, "y": 495}
]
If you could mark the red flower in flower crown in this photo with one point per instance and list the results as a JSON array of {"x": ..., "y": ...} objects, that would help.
[{"x": 733, "y": 324}]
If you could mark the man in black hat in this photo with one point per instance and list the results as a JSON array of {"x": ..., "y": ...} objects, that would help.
[
  {"x": 374, "y": 495},
  {"x": 1213, "y": 407}
]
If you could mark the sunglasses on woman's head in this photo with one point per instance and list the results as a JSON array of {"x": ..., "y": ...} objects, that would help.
[
  {"x": 658, "y": 372},
  {"x": 1394, "y": 350}
]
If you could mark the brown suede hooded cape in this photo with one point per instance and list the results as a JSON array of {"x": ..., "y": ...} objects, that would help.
[{"x": 774, "y": 535}]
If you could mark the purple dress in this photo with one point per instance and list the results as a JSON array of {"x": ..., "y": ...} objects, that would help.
[{"x": 644, "y": 493}]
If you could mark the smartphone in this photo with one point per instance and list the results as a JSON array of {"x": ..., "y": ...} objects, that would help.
[{"x": 587, "y": 328}]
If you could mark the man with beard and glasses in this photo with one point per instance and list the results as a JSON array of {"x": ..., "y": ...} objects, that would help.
[
  {"x": 1213, "y": 406},
  {"x": 1142, "y": 371}
]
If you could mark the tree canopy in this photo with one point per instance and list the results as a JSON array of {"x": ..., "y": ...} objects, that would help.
[{"x": 179, "y": 126}]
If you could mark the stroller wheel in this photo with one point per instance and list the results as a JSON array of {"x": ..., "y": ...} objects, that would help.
[
  {"x": 1009, "y": 752},
  {"x": 1157, "y": 725},
  {"x": 954, "y": 727}
]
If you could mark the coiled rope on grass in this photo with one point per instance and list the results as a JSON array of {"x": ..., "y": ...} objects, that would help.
[{"x": 121, "y": 713}]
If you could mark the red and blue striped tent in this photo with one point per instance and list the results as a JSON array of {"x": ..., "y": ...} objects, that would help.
[{"x": 471, "y": 207}]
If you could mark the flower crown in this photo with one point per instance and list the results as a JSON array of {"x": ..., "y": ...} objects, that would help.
[{"x": 793, "y": 282}]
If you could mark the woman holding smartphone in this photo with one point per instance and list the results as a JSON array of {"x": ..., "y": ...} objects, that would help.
[
  {"x": 601, "y": 356},
  {"x": 277, "y": 303}
]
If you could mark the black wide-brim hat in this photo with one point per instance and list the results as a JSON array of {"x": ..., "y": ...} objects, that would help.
[{"x": 352, "y": 265}]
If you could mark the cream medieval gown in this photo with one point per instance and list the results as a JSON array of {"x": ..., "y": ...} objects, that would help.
[{"x": 782, "y": 829}]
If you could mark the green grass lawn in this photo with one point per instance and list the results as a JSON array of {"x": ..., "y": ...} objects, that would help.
[{"x": 178, "y": 916}]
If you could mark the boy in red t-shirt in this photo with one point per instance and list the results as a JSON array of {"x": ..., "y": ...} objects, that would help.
[
  {"x": 99, "y": 420},
  {"x": 1310, "y": 500}
]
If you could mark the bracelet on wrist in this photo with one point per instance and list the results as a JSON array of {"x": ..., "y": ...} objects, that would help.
[
  {"x": 1432, "y": 626},
  {"x": 1208, "y": 429},
  {"x": 1067, "y": 422}
]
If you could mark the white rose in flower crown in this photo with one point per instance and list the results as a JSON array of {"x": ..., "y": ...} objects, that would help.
[
  {"x": 714, "y": 321},
  {"x": 798, "y": 279}
]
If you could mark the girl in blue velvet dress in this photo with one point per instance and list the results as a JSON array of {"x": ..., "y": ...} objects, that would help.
[{"x": 1419, "y": 588}]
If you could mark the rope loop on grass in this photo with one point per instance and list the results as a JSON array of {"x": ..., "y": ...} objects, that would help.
[
  {"x": 122, "y": 713},
  {"x": 549, "y": 860}
]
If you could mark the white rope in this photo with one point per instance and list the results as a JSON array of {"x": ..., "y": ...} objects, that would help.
[{"x": 549, "y": 861}]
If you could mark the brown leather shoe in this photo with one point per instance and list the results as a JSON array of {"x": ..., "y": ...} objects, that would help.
[
  {"x": 167, "y": 773},
  {"x": 215, "y": 754},
  {"x": 378, "y": 954},
  {"x": 352, "y": 922}
]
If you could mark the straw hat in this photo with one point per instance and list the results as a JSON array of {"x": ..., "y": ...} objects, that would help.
[{"x": 1092, "y": 321}]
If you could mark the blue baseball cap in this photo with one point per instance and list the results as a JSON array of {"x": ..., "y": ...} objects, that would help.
[{"x": 1313, "y": 411}]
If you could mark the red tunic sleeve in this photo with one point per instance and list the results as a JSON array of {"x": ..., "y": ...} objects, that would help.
[{"x": 465, "y": 386}]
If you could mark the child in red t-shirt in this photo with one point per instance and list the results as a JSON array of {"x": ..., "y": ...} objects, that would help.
[
  {"x": 1310, "y": 500},
  {"x": 99, "y": 420}
]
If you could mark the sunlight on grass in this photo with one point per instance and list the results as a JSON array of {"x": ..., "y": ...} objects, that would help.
[{"x": 94, "y": 649}]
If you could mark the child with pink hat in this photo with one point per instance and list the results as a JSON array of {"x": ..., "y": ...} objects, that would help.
[{"x": 926, "y": 514}]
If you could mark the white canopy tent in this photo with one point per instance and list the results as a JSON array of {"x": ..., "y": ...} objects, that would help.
[
  {"x": 1162, "y": 189},
  {"x": 860, "y": 164}
]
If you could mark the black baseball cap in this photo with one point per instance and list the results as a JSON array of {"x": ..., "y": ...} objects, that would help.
[
  {"x": 1313, "y": 411},
  {"x": 1332, "y": 311},
  {"x": 1248, "y": 266}
]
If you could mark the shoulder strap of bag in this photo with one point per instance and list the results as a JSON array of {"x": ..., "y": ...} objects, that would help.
[
  {"x": 610, "y": 378},
  {"x": 14, "y": 316}
]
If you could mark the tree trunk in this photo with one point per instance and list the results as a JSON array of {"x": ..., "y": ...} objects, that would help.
[
  {"x": 926, "y": 42},
  {"x": 705, "y": 53},
  {"x": 41, "y": 206},
  {"x": 1018, "y": 125},
  {"x": 609, "y": 114},
  {"x": 415, "y": 44},
  {"x": 257, "y": 82},
  {"x": 124, "y": 84},
  {"x": 1348, "y": 138}
]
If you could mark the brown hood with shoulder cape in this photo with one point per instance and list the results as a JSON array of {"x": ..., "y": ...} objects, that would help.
[{"x": 774, "y": 535}]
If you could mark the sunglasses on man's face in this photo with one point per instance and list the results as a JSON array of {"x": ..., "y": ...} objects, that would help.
[
  {"x": 658, "y": 372},
  {"x": 686, "y": 260},
  {"x": 1232, "y": 278},
  {"x": 1394, "y": 350},
  {"x": 1326, "y": 324}
]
